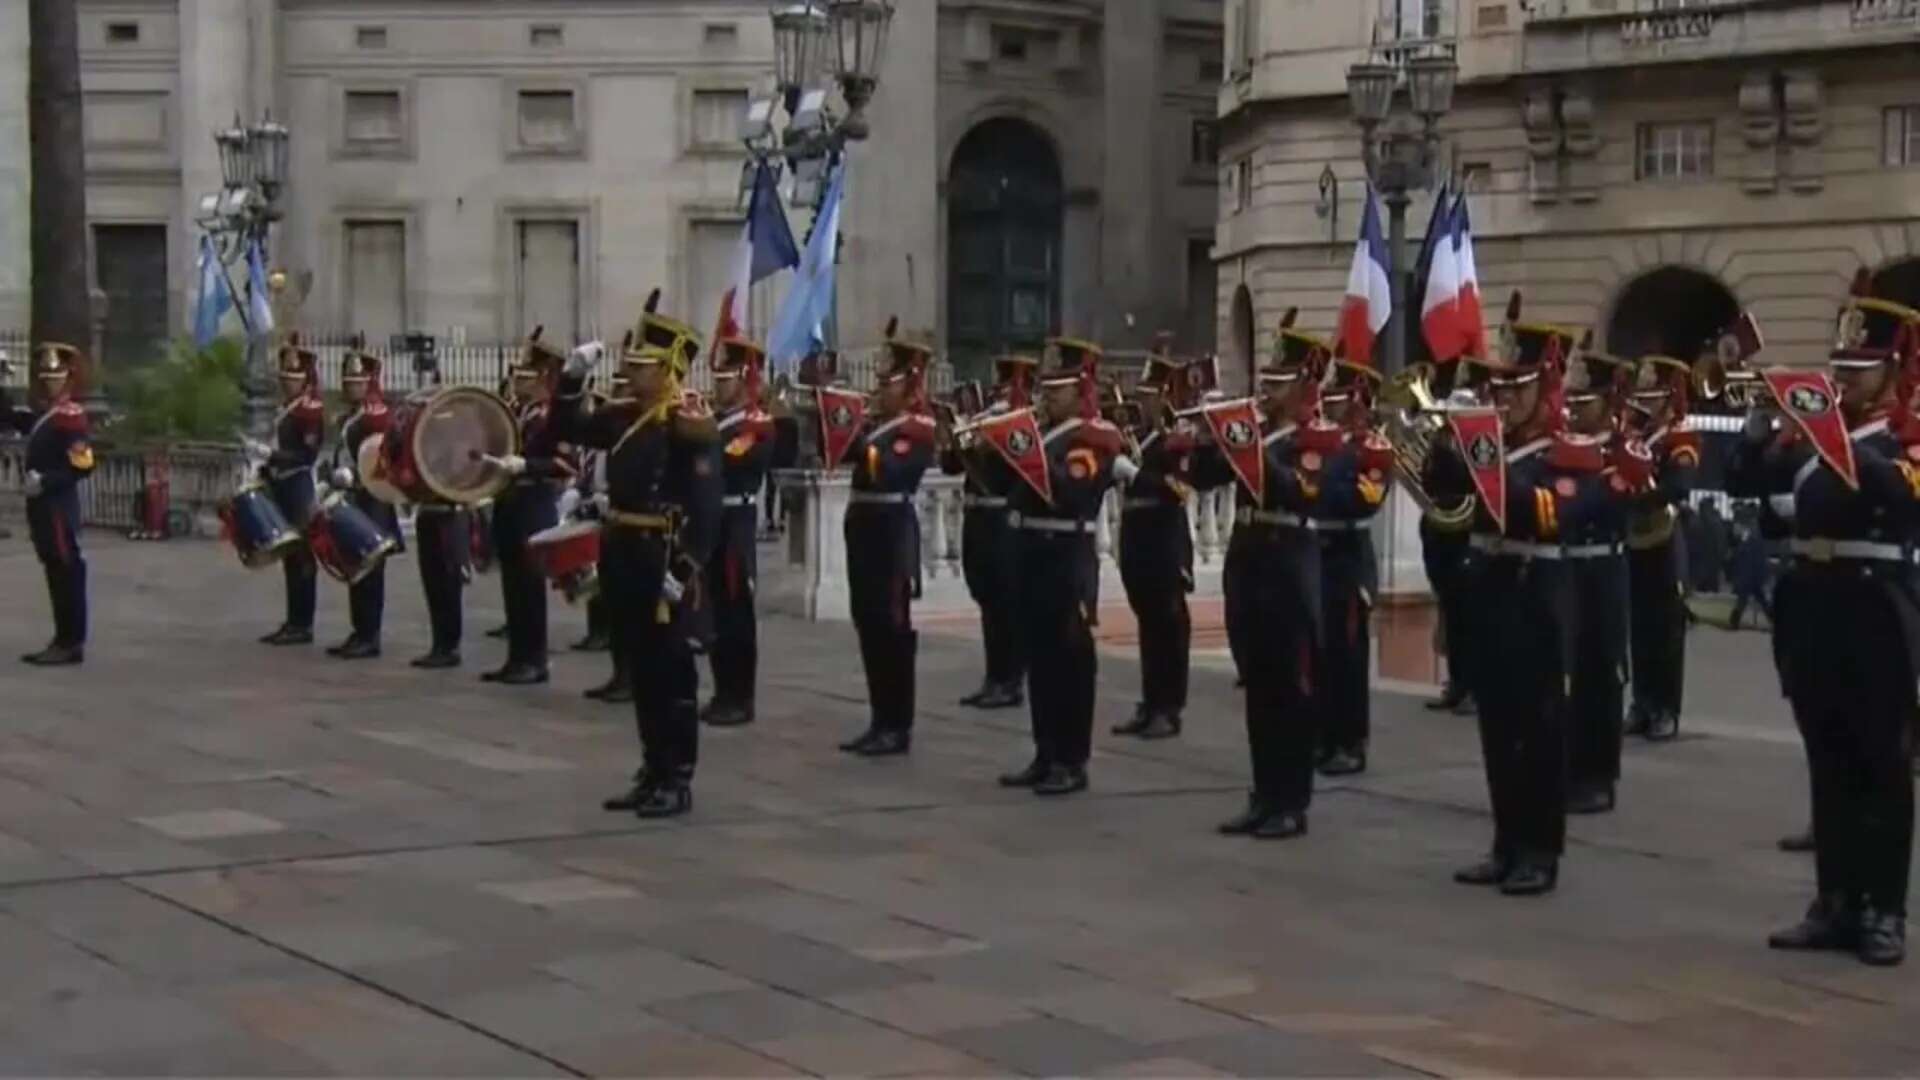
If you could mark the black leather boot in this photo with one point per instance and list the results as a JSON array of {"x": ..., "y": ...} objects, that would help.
[
  {"x": 1883, "y": 938},
  {"x": 1830, "y": 923},
  {"x": 1247, "y": 820}
]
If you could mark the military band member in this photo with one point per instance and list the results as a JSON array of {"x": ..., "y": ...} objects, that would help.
[
  {"x": 889, "y": 455},
  {"x": 1349, "y": 576},
  {"x": 1156, "y": 547},
  {"x": 1597, "y": 556},
  {"x": 529, "y": 505},
  {"x": 298, "y": 431},
  {"x": 481, "y": 542},
  {"x": 988, "y": 554},
  {"x": 441, "y": 533},
  {"x": 1059, "y": 568},
  {"x": 1274, "y": 611},
  {"x": 746, "y": 439},
  {"x": 1522, "y": 595},
  {"x": 661, "y": 526},
  {"x": 366, "y": 598},
  {"x": 1847, "y": 626},
  {"x": 1659, "y": 609},
  {"x": 59, "y": 455}
]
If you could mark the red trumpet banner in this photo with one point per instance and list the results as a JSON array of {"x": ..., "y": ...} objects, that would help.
[
  {"x": 1810, "y": 399},
  {"x": 841, "y": 414},
  {"x": 1483, "y": 447},
  {"x": 1016, "y": 436},
  {"x": 1236, "y": 430}
]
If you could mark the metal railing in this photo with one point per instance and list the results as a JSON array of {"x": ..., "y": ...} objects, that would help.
[{"x": 199, "y": 477}]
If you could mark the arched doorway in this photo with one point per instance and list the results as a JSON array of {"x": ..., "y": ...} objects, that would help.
[
  {"x": 1674, "y": 311},
  {"x": 1899, "y": 282},
  {"x": 1245, "y": 356},
  {"x": 1004, "y": 209}
]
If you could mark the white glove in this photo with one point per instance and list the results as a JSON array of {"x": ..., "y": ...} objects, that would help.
[
  {"x": 342, "y": 479},
  {"x": 584, "y": 359},
  {"x": 569, "y": 502},
  {"x": 512, "y": 464},
  {"x": 256, "y": 448},
  {"x": 1124, "y": 470},
  {"x": 598, "y": 506},
  {"x": 672, "y": 589},
  {"x": 34, "y": 484}
]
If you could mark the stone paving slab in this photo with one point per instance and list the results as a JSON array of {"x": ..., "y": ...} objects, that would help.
[{"x": 218, "y": 859}]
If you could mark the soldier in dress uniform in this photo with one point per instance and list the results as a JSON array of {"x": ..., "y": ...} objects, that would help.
[
  {"x": 1156, "y": 544},
  {"x": 602, "y": 628},
  {"x": 59, "y": 454},
  {"x": 1274, "y": 609},
  {"x": 1349, "y": 575},
  {"x": 1659, "y": 609},
  {"x": 1595, "y": 385},
  {"x": 298, "y": 431},
  {"x": 481, "y": 540},
  {"x": 746, "y": 434},
  {"x": 893, "y": 449},
  {"x": 367, "y": 598},
  {"x": 528, "y": 505},
  {"x": 662, "y": 524},
  {"x": 1059, "y": 565},
  {"x": 987, "y": 550},
  {"x": 1847, "y": 623},
  {"x": 1522, "y": 595},
  {"x": 443, "y": 534}
]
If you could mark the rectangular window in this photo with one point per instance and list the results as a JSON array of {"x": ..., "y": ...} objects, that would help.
[
  {"x": 717, "y": 115},
  {"x": 1212, "y": 70},
  {"x": 1900, "y": 135},
  {"x": 547, "y": 120},
  {"x": 1682, "y": 151},
  {"x": 1240, "y": 184},
  {"x": 374, "y": 119},
  {"x": 376, "y": 277},
  {"x": 1246, "y": 27},
  {"x": 1476, "y": 177},
  {"x": 1203, "y": 142},
  {"x": 370, "y": 37},
  {"x": 123, "y": 33},
  {"x": 720, "y": 35},
  {"x": 1010, "y": 45},
  {"x": 546, "y": 36}
]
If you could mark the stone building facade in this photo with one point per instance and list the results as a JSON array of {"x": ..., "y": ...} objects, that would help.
[
  {"x": 1642, "y": 167},
  {"x": 471, "y": 168}
]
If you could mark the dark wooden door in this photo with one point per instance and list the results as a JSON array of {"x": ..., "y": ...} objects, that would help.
[
  {"x": 1005, "y": 203},
  {"x": 131, "y": 268}
]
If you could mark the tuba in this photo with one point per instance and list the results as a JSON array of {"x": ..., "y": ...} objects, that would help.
[{"x": 1407, "y": 415}]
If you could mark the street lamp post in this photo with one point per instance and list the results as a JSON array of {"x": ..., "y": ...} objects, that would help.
[
  {"x": 816, "y": 44},
  {"x": 1399, "y": 152},
  {"x": 253, "y": 176}
]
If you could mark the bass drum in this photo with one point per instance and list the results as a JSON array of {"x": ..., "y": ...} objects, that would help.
[
  {"x": 440, "y": 439},
  {"x": 373, "y": 471}
]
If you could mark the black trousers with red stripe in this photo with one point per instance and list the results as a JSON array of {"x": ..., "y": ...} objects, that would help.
[
  {"x": 883, "y": 566},
  {"x": 54, "y": 521},
  {"x": 735, "y": 651}
]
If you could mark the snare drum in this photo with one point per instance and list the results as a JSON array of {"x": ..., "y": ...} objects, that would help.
[
  {"x": 569, "y": 554},
  {"x": 437, "y": 449},
  {"x": 346, "y": 541},
  {"x": 259, "y": 532}
]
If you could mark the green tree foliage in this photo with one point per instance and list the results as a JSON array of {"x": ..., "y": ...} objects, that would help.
[{"x": 192, "y": 394}]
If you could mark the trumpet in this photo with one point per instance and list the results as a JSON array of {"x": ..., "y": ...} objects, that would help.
[
  {"x": 1723, "y": 377},
  {"x": 1410, "y": 418},
  {"x": 965, "y": 434}
]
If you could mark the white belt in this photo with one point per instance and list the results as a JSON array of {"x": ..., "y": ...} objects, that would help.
[
  {"x": 1781, "y": 505},
  {"x": 881, "y": 498},
  {"x": 1249, "y": 516},
  {"x": 1822, "y": 549},
  {"x": 1339, "y": 526},
  {"x": 1049, "y": 525},
  {"x": 1147, "y": 504},
  {"x": 984, "y": 502},
  {"x": 736, "y": 500},
  {"x": 1497, "y": 545}
]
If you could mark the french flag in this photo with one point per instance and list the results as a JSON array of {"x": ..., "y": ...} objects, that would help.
[
  {"x": 765, "y": 248},
  {"x": 1473, "y": 323},
  {"x": 1440, "y": 309},
  {"x": 1369, "y": 300}
]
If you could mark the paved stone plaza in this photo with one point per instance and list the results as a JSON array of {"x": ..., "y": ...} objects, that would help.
[{"x": 220, "y": 858}]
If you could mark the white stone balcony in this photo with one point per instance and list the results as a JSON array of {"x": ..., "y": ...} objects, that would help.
[{"x": 1569, "y": 35}]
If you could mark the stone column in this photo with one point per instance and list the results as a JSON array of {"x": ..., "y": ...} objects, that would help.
[
  {"x": 1130, "y": 56},
  {"x": 216, "y": 62},
  {"x": 16, "y": 260},
  {"x": 890, "y": 253}
]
